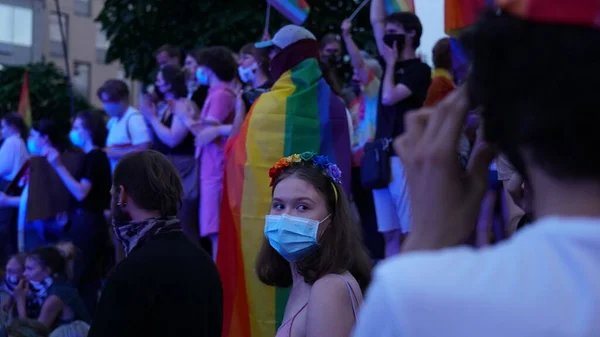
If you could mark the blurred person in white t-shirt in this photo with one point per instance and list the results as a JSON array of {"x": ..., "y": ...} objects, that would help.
[{"x": 127, "y": 130}]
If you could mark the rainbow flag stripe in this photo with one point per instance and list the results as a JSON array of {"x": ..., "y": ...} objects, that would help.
[
  {"x": 394, "y": 6},
  {"x": 299, "y": 114},
  {"x": 461, "y": 14},
  {"x": 294, "y": 10}
]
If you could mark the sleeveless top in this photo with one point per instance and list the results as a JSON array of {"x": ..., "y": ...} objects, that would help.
[
  {"x": 186, "y": 147},
  {"x": 285, "y": 330}
]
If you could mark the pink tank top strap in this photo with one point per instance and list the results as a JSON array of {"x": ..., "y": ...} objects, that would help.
[
  {"x": 352, "y": 294},
  {"x": 290, "y": 321}
]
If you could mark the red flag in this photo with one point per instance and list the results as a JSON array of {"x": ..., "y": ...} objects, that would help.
[{"x": 24, "y": 104}]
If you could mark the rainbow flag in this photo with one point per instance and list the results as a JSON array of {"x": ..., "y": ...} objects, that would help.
[
  {"x": 24, "y": 103},
  {"x": 394, "y": 6},
  {"x": 299, "y": 114},
  {"x": 461, "y": 14},
  {"x": 294, "y": 10}
]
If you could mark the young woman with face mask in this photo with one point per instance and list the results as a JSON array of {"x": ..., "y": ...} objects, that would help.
[
  {"x": 44, "y": 294},
  {"x": 91, "y": 191},
  {"x": 312, "y": 245},
  {"x": 173, "y": 139},
  {"x": 13, "y": 155}
]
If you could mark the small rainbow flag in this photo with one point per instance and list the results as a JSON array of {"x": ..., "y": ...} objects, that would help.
[
  {"x": 299, "y": 114},
  {"x": 24, "y": 103},
  {"x": 394, "y": 6},
  {"x": 294, "y": 10},
  {"x": 461, "y": 14}
]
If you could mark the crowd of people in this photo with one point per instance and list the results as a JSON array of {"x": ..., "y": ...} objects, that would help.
[{"x": 269, "y": 165}]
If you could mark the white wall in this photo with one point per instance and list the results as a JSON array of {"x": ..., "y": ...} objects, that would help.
[{"x": 431, "y": 13}]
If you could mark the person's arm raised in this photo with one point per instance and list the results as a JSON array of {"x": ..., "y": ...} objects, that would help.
[
  {"x": 358, "y": 62},
  {"x": 378, "y": 23}
]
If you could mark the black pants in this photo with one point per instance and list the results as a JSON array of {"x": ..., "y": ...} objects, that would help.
[
  {"x": 8, "y": 228},
  {"x": 363, "y": 199},
  {"x": 89, "y": 233}
]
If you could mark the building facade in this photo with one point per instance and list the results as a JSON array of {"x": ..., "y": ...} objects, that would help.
[{"x": 30, "y": 31}]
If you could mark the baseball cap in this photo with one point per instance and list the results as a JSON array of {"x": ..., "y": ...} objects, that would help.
[
  {"x": 286, "y": 36},
  {"x": 569, "y": 12}
]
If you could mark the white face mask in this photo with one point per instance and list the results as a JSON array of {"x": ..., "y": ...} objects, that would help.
[
  {"x": 292, "y": 237},
  {"x": 248, "y": 75}
]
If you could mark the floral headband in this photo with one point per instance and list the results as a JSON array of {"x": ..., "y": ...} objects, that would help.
[{"x": 332, "y": 171}]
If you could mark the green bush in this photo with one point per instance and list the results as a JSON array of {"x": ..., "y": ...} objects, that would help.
[{"x": 48, "y": 92}]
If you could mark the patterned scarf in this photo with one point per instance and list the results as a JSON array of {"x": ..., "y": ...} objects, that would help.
[
  {"x": 38, "y": 293},
  {"x": 135, "y": 233}
]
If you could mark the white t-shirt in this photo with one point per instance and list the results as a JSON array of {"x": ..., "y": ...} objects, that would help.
[
  {"x": 13, "y": 154},
  {"x": 129, "y": 130},
  {"x": 545, "y": 281}
]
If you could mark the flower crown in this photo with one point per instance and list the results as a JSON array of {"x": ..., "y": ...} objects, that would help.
[{"x": 328, "y": 168}]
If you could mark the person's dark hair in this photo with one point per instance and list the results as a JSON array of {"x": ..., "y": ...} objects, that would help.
[
  {"x": 340, "y": 245},
  {"x": 172, "y": 51},
  {"x": 27, "y": 328},
  {"x": 14, "y": 120},
  {"x": 49, "y": 129},
  {"x": 175, "y": 77},
  {"x": 331, "y": 78},
  {"x": 442, "y": 56},
  {"x": 151, "y": 181},
  {"x": 20, "y": 257},
  {"x": 553, "y": 115},
  {"x": 260, "y": 55},
  {"x": 94, "y": 122},
  {"x": 49, "y": 257},
  {"x": 329, "y": 38},
  {"x": 116, "y": 90},
  {"x": 220, "y": 60},
  {"x": 410, "y": 22}
]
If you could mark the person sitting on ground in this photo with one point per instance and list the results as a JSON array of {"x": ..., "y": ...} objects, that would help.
[{"x": 44, "y": 294}]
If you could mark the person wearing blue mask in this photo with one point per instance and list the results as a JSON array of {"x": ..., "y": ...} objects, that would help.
[
  {"x": 217, "y": 68},
  {"x": 128, "y": 132},
  {"x": 313, "y": 246},
  {"x": 91, "y": 190},
  {"x": 44, "y": 136}
]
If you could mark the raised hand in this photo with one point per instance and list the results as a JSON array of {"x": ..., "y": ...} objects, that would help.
[{"x": 445, "y": 200}]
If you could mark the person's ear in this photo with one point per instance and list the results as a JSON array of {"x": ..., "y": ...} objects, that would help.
[{"x": 123, "y": 197}]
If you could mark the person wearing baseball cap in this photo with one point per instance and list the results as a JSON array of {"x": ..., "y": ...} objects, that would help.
[
  {"x": 533, "y": 76},
  {"x": 299, "y": 114}
]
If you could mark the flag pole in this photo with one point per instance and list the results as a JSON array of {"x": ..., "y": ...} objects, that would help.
[
  {"x": 267, "y": 18},
  {"x": 66, "y": 57}
]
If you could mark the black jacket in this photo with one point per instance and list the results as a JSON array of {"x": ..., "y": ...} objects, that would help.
[{"x": 167, "y": 287}]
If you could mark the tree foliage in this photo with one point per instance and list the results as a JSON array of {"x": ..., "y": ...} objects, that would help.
[
  {"x": 137, "y": 28},
  {"x": 48, "y": 93}
]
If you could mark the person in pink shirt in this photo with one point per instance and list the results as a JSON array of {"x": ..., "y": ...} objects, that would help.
[{"x": 217, "y": 69}]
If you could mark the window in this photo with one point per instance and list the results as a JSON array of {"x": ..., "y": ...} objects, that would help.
[
  {"x": 16, "y": 25},
  {"x": 56, "y": 47},
  {"x": 81, "y": 78},
  {"x": 102, "y": 44},
  {"x": 83, "y": 7}
]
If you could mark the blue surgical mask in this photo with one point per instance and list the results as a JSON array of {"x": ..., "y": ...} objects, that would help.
[
  {"x": 201, "y": 77},
  {"x": 34, "y": 150},
  {"x": 248, "y": 75},
  {"x": 76, "y": 138},
  {"x": 113, "y": 109},
  {"x": 292, "y": 237}
]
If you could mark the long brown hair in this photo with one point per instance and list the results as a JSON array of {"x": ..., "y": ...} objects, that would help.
[{"x": 340, "y": 245}]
